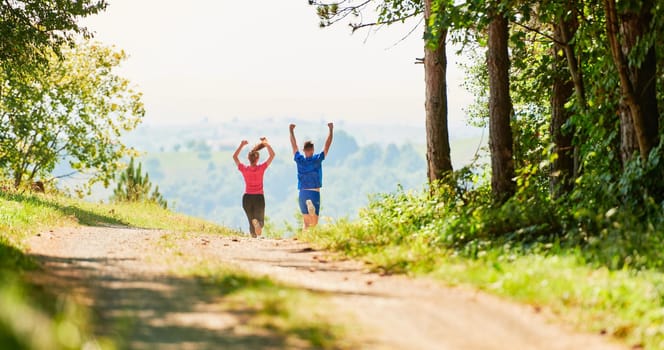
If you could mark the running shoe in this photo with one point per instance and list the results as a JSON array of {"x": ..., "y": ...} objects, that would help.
[{"x": 257, "y": 227}]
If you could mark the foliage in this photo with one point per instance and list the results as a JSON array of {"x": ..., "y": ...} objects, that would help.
[
  {"x": 29, "y": 29},
  {"x": 386, "y": 12},
  {"x": 608, "y": 181},
  {"x": 74, "y": 109},
  {"x": 134, "y": 186},
  {"x": 458, "y": 215}
]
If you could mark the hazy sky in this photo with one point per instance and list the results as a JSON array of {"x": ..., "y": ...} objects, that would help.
[{"x": 223, "y": 59}]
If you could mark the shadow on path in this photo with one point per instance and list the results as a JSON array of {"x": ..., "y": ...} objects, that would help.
[{"x": 151, "y": 311}]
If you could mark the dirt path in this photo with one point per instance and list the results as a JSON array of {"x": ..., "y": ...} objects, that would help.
[{"x": 136, "y": 297}]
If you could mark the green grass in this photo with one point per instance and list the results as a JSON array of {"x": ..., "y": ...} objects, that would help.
[
  {"x": 27, "y": 214},
  {"x": 627, "y": 304}
]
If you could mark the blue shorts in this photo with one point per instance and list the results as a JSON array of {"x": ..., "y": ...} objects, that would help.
[{"x": 315, "y": 198}]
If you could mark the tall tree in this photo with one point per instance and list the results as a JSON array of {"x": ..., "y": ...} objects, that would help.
[
  {"x": 439, "y": 161},
  {"x": 562, "y": 167},
  {"x": 72, "y": 109},
  {"x": 566, "y": 79},
  {"x": 500, "y": 105},
  {"x": 435, "y": 65},
  {"x": 636, "y": 61},
  {"x": 566, "y": 25}
]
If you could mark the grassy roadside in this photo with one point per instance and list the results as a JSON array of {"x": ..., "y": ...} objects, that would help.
[
  {"x": 299, "y": 316},
  {"x": 27, "y": 214},
  {"x": 32, "y": 319},
  {"x": 627, "y": 304}
]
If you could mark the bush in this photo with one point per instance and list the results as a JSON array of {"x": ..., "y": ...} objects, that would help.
[
  {"x": 458, "y": 217},
  {"x": 134, "y": 186}
]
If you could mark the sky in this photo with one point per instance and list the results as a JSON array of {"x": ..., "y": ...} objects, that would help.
[{"x": 223, "y": 59}]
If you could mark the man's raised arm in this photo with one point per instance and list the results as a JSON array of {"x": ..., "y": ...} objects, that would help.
[
  {"x": 328, "y": 142},
  {"x": 293, "y": 142}
]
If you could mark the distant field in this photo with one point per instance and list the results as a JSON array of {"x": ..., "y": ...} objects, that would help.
[{"x": 185, "y": 165}]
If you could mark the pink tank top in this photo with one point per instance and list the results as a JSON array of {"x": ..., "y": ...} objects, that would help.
[{"x": 253, "y": 177}]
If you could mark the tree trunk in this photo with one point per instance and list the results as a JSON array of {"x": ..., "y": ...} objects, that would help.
[
  {"x": 643, "y": 77},
  {"x": 562, "y": 168},
  {"x": 500, "y": 110},
  {"x": 18, "y": 179},
  {"x": 565, "y": 29},
  {"x": 439, "y": 161},
  {"x": 628, "y": 143},
  {"x": 637, "y": 83}
]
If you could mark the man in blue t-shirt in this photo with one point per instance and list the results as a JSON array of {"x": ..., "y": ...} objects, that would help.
[{"x": 310, "y": 176}]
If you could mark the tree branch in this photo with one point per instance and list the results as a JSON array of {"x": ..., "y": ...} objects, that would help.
[
  {"x": 408, "y": 34},
  {"x": 539, "y": 32},
  {"x": 66, "y": 175},
  {"x": 342, "y": 13},
  {"x": 400, "y": 19}
]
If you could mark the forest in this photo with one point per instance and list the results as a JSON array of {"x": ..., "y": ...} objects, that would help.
[{"x": 571, "y": 93}]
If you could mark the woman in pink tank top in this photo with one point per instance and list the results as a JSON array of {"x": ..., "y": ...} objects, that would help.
[{"x": 253, "y": 200}]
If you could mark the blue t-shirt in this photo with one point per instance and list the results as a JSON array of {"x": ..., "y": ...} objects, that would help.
[{"x": 309, "y": 170}]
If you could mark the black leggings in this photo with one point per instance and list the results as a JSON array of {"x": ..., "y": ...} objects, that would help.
[{"x": 254, "y": 207}]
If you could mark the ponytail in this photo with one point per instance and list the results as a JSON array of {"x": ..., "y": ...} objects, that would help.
[
  {"x": 259, "y": 146},
  {"x": 253, "y": 154}
]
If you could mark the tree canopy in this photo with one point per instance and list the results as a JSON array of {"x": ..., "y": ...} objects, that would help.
[
  {"x": 74, "y": 109},
  {"x": 31, "y": 29},
  {"x": 572, "y": 93}
]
